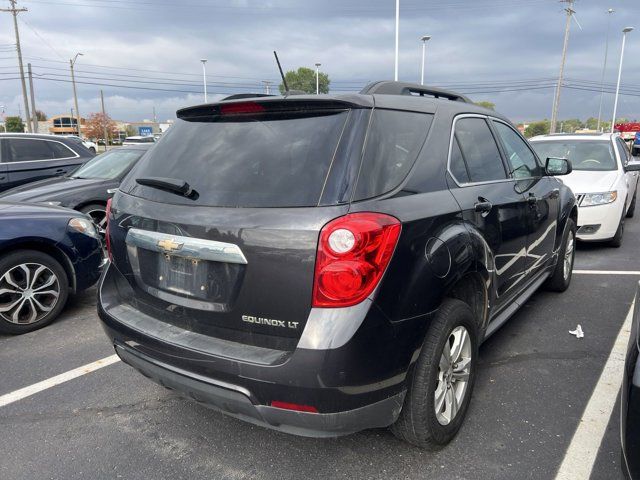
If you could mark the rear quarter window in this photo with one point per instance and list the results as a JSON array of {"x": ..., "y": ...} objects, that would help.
[{"x": 392, "y": 146}]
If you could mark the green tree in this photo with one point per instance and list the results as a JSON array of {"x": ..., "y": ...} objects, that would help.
[
  {"x": 592, "y": 123},
  {"x": 537, "y": 128},
  {"x": 41, "y": 116},
  {"x": 304, "y": 79},
  {"x": 485, "y": 104},
  {"x": 131, "y": 132},
  {"x": 570, "y": 125},
  {"x": 14, "y": 124}
]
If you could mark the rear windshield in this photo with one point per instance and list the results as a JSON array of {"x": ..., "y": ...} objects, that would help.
[
  {"x": 258, "y": 161},
  {"x": 109, "y": 165},
  {"x": 589, "y": 155}
]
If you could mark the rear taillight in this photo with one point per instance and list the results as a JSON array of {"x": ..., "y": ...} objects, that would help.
[
  {"x": 107, "y": 237},
  {"x": 294, "y": 406},
  {"x": 353, "y": 253}
]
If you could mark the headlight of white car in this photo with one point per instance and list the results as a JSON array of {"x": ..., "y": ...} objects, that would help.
[
  {"x": 85, "y": 226},
  {"x": 591, "y": 199}
]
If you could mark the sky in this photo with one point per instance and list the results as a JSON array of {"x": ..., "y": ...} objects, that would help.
[{"x": 145, "y": 54}]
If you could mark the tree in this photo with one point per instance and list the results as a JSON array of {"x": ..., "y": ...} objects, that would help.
[
  {"x": 130, "y": 131},
  {"x": 592, "y": 123},
  {"x": 489, "y": 105},
  {"x": 571, "y": 125},
  {"x": 41, "y": 116},
  {"x": 304, "y": 79},
  {"x": 96, "y": 123},
  {"x": 537, "y": 128},
  {"x": 14, "y": 124}
]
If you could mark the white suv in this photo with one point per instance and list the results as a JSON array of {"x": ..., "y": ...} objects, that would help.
[{"x": 603, "y": 181}]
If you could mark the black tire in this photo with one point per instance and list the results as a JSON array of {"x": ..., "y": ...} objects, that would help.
[
  {"x": 418, "y": 423},
  {"x": 616, "y": 241},
  {"x": 559, "y": 281},
  {"x": 632, "y": 207},
  {"x": 93, "y": 150},
  {"x": 32, "y": 257},
  {"x": 95, "y": 210}
]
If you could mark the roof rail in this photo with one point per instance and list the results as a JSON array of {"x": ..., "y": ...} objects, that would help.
[{"x": 388, "y": 87}]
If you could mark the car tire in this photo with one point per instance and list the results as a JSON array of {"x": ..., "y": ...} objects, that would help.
[
  {"x": 632, "y": 207},
  {"x": 616, "y": 241},
  {"x": 93, "y": 150},
  {"x": 561, "y": 277},
  {"x": 419, "y": 423},
  {"x": 45, "y": 275},
  {"x": 98, "y": 214}
]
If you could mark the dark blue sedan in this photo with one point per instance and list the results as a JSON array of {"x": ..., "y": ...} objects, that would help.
[
  {"x": 46, "y": 253},
  {"x": 630, "y": 399}
]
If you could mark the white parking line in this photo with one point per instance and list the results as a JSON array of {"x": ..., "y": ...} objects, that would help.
[
  {"x": 607, "y": 272},
  {"x": 25, "y": 392},
  {"x": 583, "y": 449}
]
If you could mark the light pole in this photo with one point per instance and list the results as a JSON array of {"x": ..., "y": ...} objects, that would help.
[
  {"x": 75, "y": 95},
  {"x": 318, "y": 78},
  {"x": 395, "y": 77},
  {"x": 424, "y": 39},
  {"x": 556, "y": 100},
  {"x": 204, "y": 77},
  {"x": 604, "y": 67},
  {"x": 615, "y": 102}
]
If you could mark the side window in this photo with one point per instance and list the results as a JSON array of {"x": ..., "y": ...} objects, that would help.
[
  {"x": 393, "y": 143},
  {"x": 457, "y": 165},
  {"x": 479, "y": 149},
  {"x": 622, "y": 151},
  {"x": 521, "y": 159},
  {"x": 25, "y": 149},
  {"x": 60, "y": 150}
]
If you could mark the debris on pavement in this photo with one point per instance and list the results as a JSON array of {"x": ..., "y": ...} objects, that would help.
[{"x": 577, "y": 332}]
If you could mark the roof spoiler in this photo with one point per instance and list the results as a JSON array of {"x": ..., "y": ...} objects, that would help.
[{"x": 387, "y": 87}]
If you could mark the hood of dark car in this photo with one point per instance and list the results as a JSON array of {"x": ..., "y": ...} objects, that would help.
[
  {"x": 11, "y": 209},
  {"x": 60, "y": 189}
]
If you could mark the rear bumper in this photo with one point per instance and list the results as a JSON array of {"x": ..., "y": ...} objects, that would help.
[
  {"x": 358, "y": 385},
  {"x": 235, "y": 401}
]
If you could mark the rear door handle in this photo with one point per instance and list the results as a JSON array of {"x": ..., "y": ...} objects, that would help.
[
  {"x": 483, "y": 205},
  {"x": 61, "y": 171}
]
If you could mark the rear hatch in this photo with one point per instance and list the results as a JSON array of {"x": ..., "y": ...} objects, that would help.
[{"x": 216, "y": 229}]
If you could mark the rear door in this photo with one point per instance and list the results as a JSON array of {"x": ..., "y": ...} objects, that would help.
[
  {"x": 490, "y": 201},
  {"x": 542, "y": 196},
  {"x": 31, "y": 159},
  {"x": 235, "y": 257},
  {"x": 4, "y": 176}
]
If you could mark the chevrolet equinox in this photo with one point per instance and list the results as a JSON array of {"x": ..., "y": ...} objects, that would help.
[{"x": 326, "y": 264}]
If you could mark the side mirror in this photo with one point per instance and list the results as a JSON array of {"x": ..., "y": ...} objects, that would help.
[
  {"x": 558, "y": 166},
  {"x": 632, "y": 167}
]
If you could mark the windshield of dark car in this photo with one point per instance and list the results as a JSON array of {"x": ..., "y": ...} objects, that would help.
[
  {"x": 109, "y": 165},
  {"x": 588, "y": 155}
]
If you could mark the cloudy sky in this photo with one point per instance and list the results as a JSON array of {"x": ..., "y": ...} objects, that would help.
[{"x": 145, "y": 53}]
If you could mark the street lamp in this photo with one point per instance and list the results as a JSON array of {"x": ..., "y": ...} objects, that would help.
[
  {"x": 318, "y": 78},
  {"x": 395, "y": 76},
  {"x": 615, "y": 102},
  {"x": 72, "y": 63},
  {"x": 604, "y": 67},
  {"x": 424, "y": 39},
  {"x": 204, "y": 78}
]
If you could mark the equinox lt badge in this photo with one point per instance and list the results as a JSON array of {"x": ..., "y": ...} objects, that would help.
[{"x": 269, "y": 321}]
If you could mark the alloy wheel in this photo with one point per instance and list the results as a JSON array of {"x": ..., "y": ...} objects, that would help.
[
  {"x": 28, "y": 292},
  {"x": 99, "y": 219},
  {"x": 568, "y": 255},
  {"x": 453, "y": 375}
]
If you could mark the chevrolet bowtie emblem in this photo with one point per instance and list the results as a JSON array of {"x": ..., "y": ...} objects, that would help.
[{"x": 169, "y": 245}]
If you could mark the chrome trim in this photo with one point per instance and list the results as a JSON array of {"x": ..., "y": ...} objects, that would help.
[{"x": 196, "y": 248}]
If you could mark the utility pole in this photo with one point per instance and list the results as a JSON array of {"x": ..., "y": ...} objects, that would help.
[
  {"x": 615, "y": 102},
  {"x": 72, "y": 62},
  {"x": 34, "y": 117},
  {"x": 556, "y": 101},
  {"x": 204, "y": 78},
  {"x": 604, "y": 67},
  {"x": 155, "y": 118},
  {"x": 104, "y": 123},
  {"x": 318, "y": 78},
  {"x": 395, "y": 77},
  {"x": 267, "y": 84},
  {"x": 14, "y": 11}
]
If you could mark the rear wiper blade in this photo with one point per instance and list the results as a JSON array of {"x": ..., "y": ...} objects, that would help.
[{"x": 173, "y": 185}]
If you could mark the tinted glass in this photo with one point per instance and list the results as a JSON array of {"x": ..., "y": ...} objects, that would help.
[
  {"x": 393, "y": 143},
  {"x": 25, "y": 149},
  {"x": 279, "y": 160},
  {"x": 139, "y": 140},
  {"x": 60, "y": 151},
  {"x": 458, "y": 167},
  {"x": 590, "y": 155},
  {"x": 479, "y": 150},
  {"x": 623, "y": 151},
  {"x": 521, "y": 159},
  {"x": 110, "y": 165}
]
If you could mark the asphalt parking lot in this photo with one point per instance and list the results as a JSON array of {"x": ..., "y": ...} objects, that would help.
[{"x": 534, "y": 384}]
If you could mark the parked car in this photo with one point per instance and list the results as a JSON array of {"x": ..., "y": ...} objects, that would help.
[
  {"x": 26, "y": 157},
  {"x": 630, "y": 400},
  {"x": 86, "y": 189},
  {"x": 87, "y": 143},
  {"x": 635, "y": 146},
  {"x": 603, "y": 179},
  {"x": 46, "y": 253},
  {"x": 136, "y": 139},
  {"x": 265, "y": 266}
]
